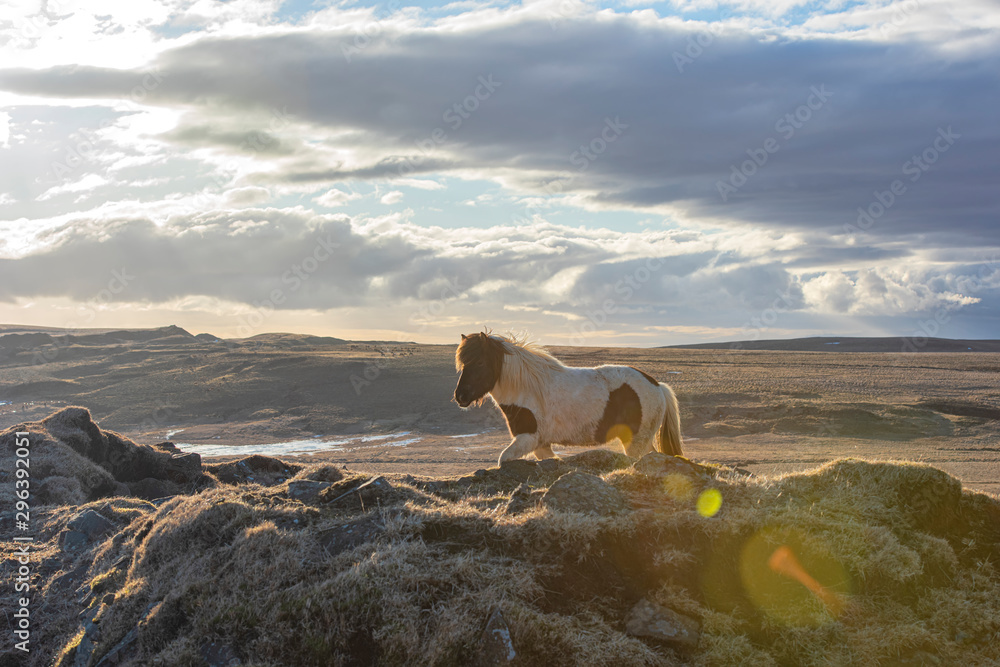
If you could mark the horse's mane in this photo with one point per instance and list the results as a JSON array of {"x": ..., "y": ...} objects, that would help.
[{"x": 526, "y": 365}]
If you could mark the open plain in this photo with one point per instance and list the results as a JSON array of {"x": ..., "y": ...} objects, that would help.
[{"x": 386, "y": 407}]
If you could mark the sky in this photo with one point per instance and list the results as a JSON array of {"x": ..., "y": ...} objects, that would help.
[{"x": 588, "y": 173}]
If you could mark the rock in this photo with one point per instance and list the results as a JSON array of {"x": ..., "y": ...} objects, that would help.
[
  {"x": 656, "y": 464},
  {"x": 598, "y": 460},
  {"x": 306, "y": 490},
  {"x": 117, "y": 653},
  {"x": 73, "y": 540},
  {"x": 184, "y": 468},
  {"x": 495, "y": 644},
  {"x": 582, "y": 492},
  {"x": 217, "y": 654},
  {"x": 72, "y": 579},
  {"x": 325, "y": 473},
  {"x": 652, "y": 621},
  {"x": 263, "y": 470},
  {"x": 91, "y": 523},
  {"x": 349, "y": 535},
  {"x": 520, "y": 501},
  {"x": 87, "y": 644},
  {"x": 369, "y": 492},
  {"x": 152, "y": 488},
  {"x": 521, "y": 470},
  {"x": 550, "y": 466}
]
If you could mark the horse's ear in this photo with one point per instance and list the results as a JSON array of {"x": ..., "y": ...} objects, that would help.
[{"x": 464, "y": 336}]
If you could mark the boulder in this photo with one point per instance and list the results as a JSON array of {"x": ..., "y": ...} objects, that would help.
[
  {"x": 520, "y": 470},
  {"x": 349, "y": 535},
  {"x": 368, "y": 492},
  {"x": 257, "y": 468},
  {"x": 306, "y": 490},
  {"x": 649, "y": 620},
  {"x": 582, "y": 492},
  {"x": 91, "y": 523},
  {"x": 184, "y": 468},
  {"x": 152, "y": 488},
  {"x": 657, "y": 464},
  {"x": 598, "y": 460},
  {"x": 550, "y": 466},
  {"x": 73, "y": 540}
]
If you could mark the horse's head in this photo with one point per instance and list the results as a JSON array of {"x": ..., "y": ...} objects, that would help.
[{"x": 479, "y": 359}]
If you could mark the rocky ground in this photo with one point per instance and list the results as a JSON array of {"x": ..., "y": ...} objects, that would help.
[{"x": 145, "y": 555}]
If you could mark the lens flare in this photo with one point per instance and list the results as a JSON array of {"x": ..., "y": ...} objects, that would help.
[
  {"x": 784, "y": 562},
  {"x": 678, "y": 487},
  {"x": 709, "y": 502},
  {"x": 620, "y": 431},
  {"x": 793, "y": 577}
]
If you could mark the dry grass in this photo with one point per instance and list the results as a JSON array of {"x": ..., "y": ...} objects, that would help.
[{"x": 905, "y": 559}]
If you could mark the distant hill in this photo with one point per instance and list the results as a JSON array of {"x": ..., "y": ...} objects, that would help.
[
  {"x": 24, "y": 338},
  {"x": 851, "y": 344}
]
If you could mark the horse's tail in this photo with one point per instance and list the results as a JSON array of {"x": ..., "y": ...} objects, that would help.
[{"x": 669, "y": 441}]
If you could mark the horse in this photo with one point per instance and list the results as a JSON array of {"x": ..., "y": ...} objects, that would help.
[{"x": 546, "y": 402}]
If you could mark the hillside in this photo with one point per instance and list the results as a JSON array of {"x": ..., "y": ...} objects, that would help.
[
  {"x": 595, "y": 559},
  {"x": 852, "y": 344}
]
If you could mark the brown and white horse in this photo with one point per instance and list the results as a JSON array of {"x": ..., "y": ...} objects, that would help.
[{"x": 546, "y": 402}]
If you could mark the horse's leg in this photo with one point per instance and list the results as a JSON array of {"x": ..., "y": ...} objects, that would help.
[
  {"x": 519, "y": 446},
  {"x": 544, "y": 452}
]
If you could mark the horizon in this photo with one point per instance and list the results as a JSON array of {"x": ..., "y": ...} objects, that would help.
[
  {"x": 613, "y": 173},
  {"x": 910, "y": 343}
]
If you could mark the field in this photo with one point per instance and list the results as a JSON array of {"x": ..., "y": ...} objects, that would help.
[
  {"x": 784, "y": 538},
  {"x": 765, "y": 411}
]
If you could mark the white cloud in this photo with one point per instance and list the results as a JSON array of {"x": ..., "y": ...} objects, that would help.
[
  {"x": 391, "y": 198},
  {"x": 574, "y": 122},
  {"x": 334, "y": 198},
  {"x": 88, "y": 182}
]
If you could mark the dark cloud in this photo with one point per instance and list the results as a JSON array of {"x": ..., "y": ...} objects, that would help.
[{"x": 818, "y": 126}]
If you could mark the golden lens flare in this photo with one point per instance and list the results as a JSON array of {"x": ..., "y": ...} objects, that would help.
[
  {"x": 620, "y": 431},
  {"x": 784, "y": 562},
  {"x": 678, "y": 487},
  {"x": 709, "y": 502},
  {"x": 792, "y": 576}
]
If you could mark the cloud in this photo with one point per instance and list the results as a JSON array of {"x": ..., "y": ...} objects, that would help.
[
  {"x": 334, "y": 198},
  {"x": 393, "y": 197},
  {"x": 295, "y": 259},
  {"x": 813, "y": 159},
  {"x": 794, "y": 133}
]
